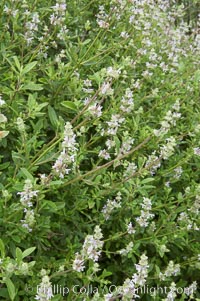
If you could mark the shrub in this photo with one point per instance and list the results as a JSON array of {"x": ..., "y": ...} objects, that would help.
[{"x": 99, "y": 140}]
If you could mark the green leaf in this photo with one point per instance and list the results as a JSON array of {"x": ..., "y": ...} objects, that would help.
[
  {"x": 28, "y": 251},
  {"x": 3, "y": 134},
  {"x": 117, "y": 143},
  {"x": 28, "y": 67},
  {"x": 4, "y": 165},
  {"x": 4, "y": 293},
  {"x": 12, "y": 66},
  {"x": 17, "y": 158},
  {"x": 41, "y": 106},
  {"x": 18, "y": 255},
  {"x": 53, "y": 116},
  {"x": 16, "y": 238},
  {"x": 51, "y": 206},
  {"x": 147, "y": 180},
  {"x": 58, "y": 182},
  {"x": 197, "y": 76},
  {"x": 2, "y": 248},
  {"x": 17, "y": 63},
  {"x": 26, "y": 173},
  {"x": 91, "y": 204},
  {"x": 11, "y": 289},
  {"x": 32, "y": 87},
  {"x": 69, "y": 105}
]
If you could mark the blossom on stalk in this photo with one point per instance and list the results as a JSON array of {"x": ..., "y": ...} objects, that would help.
[
  {"x": 139, "y": 278},
  {"x": 111, "y": 205},
  {"x": 66, "y": 158},
  {"x": 44, "y": 290},
  {"x": 128, "y": 291},
  {"x": 26, "y": 197},
  {"x": 92, "y": 247},
  {"x": 171, "y": 270},
  {"x": 146, "y": 215},
  {"x": 169, "y": 120},
  {"x": 27, "y": 194}
]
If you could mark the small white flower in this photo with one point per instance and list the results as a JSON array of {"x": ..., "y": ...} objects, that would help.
[
  {"x": 109, "y": 207},
  {"x": 2, "y": 102},
  {"x": 106, "y": 89},
  {"x": 196, "y": 151},
  {"x": 78, "y": 264},
  {"x": 104, "y": 154},
  {"x": 95, "y": 110},
  {"x": 130, "y": 229},
  {"x": 44, "y": 290},
  {"x": 68, "y": 153},
  {"x": 111, "y": 72}
]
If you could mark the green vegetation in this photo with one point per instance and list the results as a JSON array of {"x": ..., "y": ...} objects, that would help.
[{"x": 99, "y": 150}]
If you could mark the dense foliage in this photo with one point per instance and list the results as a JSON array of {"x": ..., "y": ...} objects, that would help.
[{"x": 100, "y": 153}]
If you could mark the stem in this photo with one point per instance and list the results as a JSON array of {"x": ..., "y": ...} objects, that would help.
[{"x": 80, "y": 177}]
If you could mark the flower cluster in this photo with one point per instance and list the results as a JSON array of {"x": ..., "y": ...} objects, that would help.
[
  {"x": 95, "y": 110},
  {"x": 172, "y": 293},
  {"x": 131, "y": 168},
  {"x": 113, "y": 125},
  {"x": 191, "y": 289},
  {"x": 185, "y": 222},
  {"x": 130, "y": 229},
  {"x": 26, "y": 197},
  {"x": 44, "y": 289},
  {"x": 171, "y": 270},
  {"x": 154, "y": 160},
  {"x": 91, "y": 250},
  {"x": 31, "y": 27},
  {"x": 105, "y": 89},
  {"x": 27, "y": 194},
  {"x": 169, "y": 120},
  {"x": 143, "y": 219},
  {"x": 168, "y": 149},
  {"x": 139, "y": 278},
  {"x": 111, "y": 205},
  {"x": 113, "y": 72},
  {"x": 11, "y": 11},
  {"x": 195, "y": 209},
  {"x": 102, "y": 18},
  {"x": 178, "y": 172},
  {"x": 68, "y": 153},
  {"x": 127, "y": 103},
  {"x": 153, "y": 163},
  {"x": 29, "y": 219},
  {"x": 127, "y": 250},
  {"x": 128, "y": 290},
  {"x": 59, "y": 11}
]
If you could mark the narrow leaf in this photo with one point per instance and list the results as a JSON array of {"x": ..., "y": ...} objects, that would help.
[
  {"x": 69, "y": 105},
  {"x": 28, "y": 252},
  {"x": 2, "y": 248},
  {"x": 28, "y": 67},
  {"x": 18, "y": 255},
  {"x": 11, "y": 289},
  {"x": 26, "y": 173},
  {"x": 52, "y": 116},
  {"x": 32, "y": 87}
]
